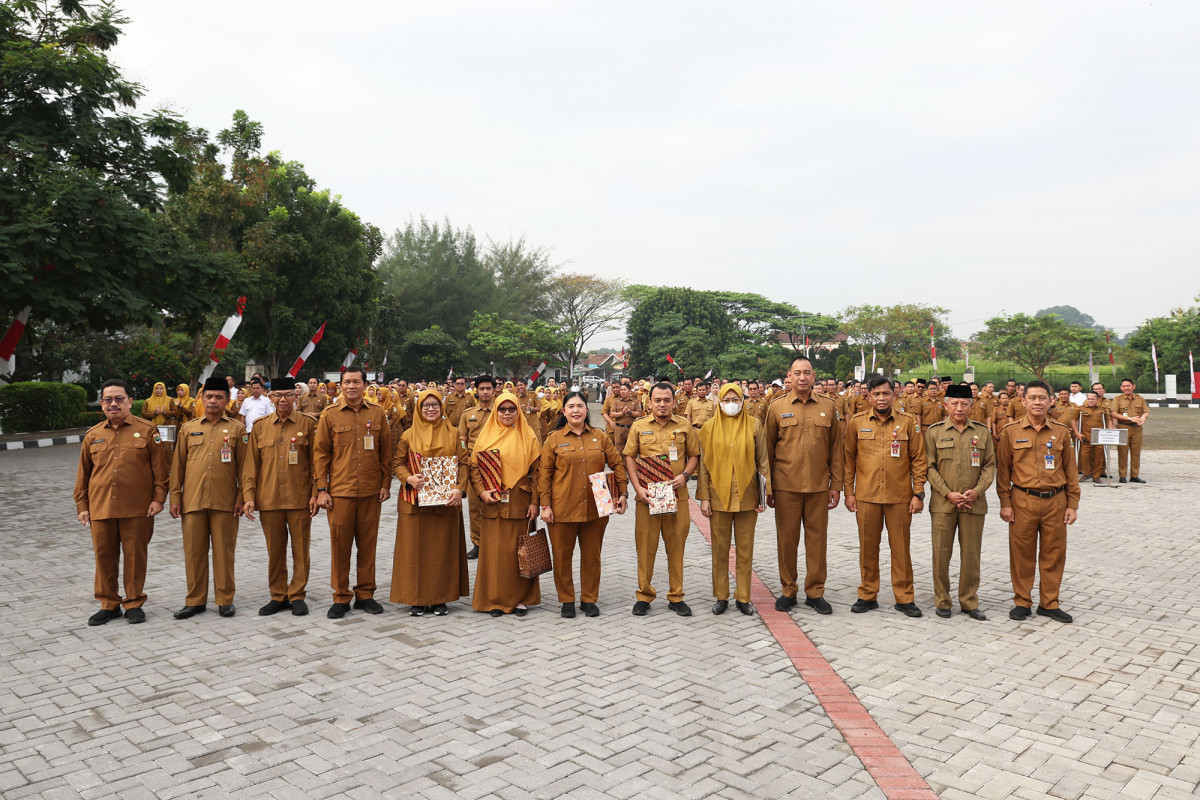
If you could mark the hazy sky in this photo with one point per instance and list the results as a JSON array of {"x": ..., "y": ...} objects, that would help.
[{"x": 982, "y": 157}]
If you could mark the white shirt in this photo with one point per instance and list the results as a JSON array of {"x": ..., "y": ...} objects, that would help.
[
  {"x": 1079, "y": 398},
  {"x": 255, "y": 407}
]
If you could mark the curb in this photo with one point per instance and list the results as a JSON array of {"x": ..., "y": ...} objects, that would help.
[{"x": 75, "y": 438}]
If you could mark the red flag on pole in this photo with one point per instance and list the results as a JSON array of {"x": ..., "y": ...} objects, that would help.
[
  {"x": 348, "y": 360},
  {"x": 1192, "y": 370},
  {"x": 307, "y": 351},
  {"x": 8, "y": 345},
  {"x": 671, "y": 361},
  {"x": 223, "y": 338},
  {"x": 537, "y": 373}
]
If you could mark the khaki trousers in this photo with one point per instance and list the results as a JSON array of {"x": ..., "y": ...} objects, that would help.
[
  {"x": 1037, "y": 537},
  {"x": 620, "y": 437},
  {"x": 970, "y": 543},
  {"x": 673, "y": 528},
  {"x": 279, "y": 527},
  {"x": 590, "y": 536},
  {"x": 1129, "y": 457},
  {"x": 200, "y": 528},
  {"x": 112, "y": 539},
  {"x": 724, "y": 525},
  {"x": 871, "y": 519},
  {"x": 811, "y": 509},
  {"x": 474, "y": 504},
  {"x": 1091, "y": 459},
  {"x": 354, "y": 521}
]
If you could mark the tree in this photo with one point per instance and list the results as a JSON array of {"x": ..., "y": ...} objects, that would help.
[
  {"x": 899, "y": 334},
  {"x": 1036, "y": 342},
  {"x": 584, "y": 305},
  {"x": 82, "y": 180},
  {"x": 515, "y": 345},
  {"x": 431, "y": 353},
  {"x": 1070, "y": 315},
  {"x": 690, "y": 326},
  {"x": 524, "y": 279},
  {"x": 1173, "y": 337}
]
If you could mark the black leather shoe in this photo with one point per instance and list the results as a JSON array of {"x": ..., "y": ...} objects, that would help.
[
  {"x": 226, "y": 611},
  {"x": 818, "y": 604},
  {"x": 135, "y": 615},
  {"x": 190, "y": 611},
  {"x": 681, "y": 608},
  {"x": 338, "y": 610},
  {"x": 908, "y": 609},
  {"x": 720, "y": 606},
  {"x": 589, "y": 609},
  {"x": 976, "y": 614},
  {"x": 640, "y": 608},
  {"x": 440, "y": 610},
  {"x": 568, "y": 611},
  {"x": 274, "y": 607},
  {"x": 473, "y": 553},
  {"x": 1136, "y": 480},
  {"x": 944, "y": 613},
  {"x": 1056, "y": 614},
  {"x": 1018, "y": 613},
  {"x": 417, "y": 611},
  {"x": 520, "y": 612},
  {"x": 1122, "y": 480},
  {"x": 103, "y": 616},
  {"x": 860, "y": 606},
  {"x": 745, "y": 608},
  {"x": 495, "y": 612},
  {"x": 299, "y": 608},
  {"x": 784, "y": 603},
  {"x": 369, "y": 605}
]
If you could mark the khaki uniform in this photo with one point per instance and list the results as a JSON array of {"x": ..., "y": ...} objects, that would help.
[
  {"x": 804, "y": 450},
  {"x": 682, "y": 399},
  {"x": 605, "y": 410},
  {"x": 278, "y": 478},
  {"x": 498, "y": 581},
  {"x": 958, "y": 461},
  {"x": 355, "y": 476},
  {"x": 456, "y": 404},
  {"x": 122, "y": 470},
  {"x": 1016, "y": 408},
  {"x": 1063, "y": 412},
  {"x": 209, "y": 492},
  {"x": 932, "y": 410},
  {"x": 567, "y": 460},
  {"x": 623, "y": 414},
  {"x": 531, "y": 409},
  {"x": 980, "y": 411},
  {"x": 1129, "y": 457},
  {"x": 1038, "y": 534},
  {"x": 1091, "y": 457},
  {"x": 700, "y": 410},
  {"x": 313, "y": 403},
  {"x": 757, "y": 408},
  {"x": 469, "y": 426},
  {"x": 649, "y": 437},
  {"x": 883, "y": 485}
]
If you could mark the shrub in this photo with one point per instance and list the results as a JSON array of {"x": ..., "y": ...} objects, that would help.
[
  {"x": 40, "y": 406},
  {"x": 89, "y": 418}
]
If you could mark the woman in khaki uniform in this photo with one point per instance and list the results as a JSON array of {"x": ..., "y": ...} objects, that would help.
[
  {"x": 507, "y": 511},
  {"x": 571, "y": 453},
  {"x": 184, "y": 404},
  {"x": 429, "y": 568},
  {"x": 1000, "y": 416},
  {"x": 157, "y": 407}
]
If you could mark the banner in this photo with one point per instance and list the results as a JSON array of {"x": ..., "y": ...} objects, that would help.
[
  {"x": 223, "y": 338},
  {"x": 307, "y": 351},
  {"x": 537, "y": 373}
]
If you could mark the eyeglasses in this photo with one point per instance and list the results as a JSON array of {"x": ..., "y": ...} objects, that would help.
[
  {"x": 112, "y": 401},
  {"x": 432, "y": 407},
  {"x": 506, "y": 411}
]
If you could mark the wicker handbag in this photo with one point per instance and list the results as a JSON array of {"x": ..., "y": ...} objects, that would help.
[{"x": 533, "y": 552}]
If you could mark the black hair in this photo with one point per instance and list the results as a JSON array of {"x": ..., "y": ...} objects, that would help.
[
  {"x": 117, "y": 382},
  {"x": 661, "y": 385},
  {"x": 1126, "y": 379},
  {"x": 1039, "y": 385},
  {"x": 482, "y": 379},
  {"x": 361, "y": 372},
  {"x": 877, "y": 381},
  {"x": 562, "y": 418},
  {"x": 800, "y": 358}
]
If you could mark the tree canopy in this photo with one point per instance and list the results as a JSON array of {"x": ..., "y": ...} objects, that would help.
[
  {"x": 1036, "y": 342},
  {"x": 690, "y": 326}
]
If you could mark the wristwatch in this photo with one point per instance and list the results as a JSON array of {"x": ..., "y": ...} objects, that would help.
[
  {"x": 919, "y": 495},
  {"x": 323, "y": 489}
]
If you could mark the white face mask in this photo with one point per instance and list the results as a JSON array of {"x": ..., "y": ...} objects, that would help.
[
  {"x": 731, "y": 409},
  {"x": 541, "y": 395}
]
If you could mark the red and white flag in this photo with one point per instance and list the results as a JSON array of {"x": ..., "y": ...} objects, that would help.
[
  {"x": 1154, "y": 358},
  {"x": 448, "y": 374},
  {"x": 8, "y": 345},
  {"x": 932, "y": 347},
  {"x": 223, "y": 338},
  {"x": 872, "y": 359},
  {"x": 537, "y": 373},
  {"x": 862, "y": 354},
  {"x": 624, "y": 359},
  {"x": 307, "y": 351},
  {"x": 1192, "y": 372},
  {"x": 348, "y": 360},
  {"x": 708, "y": 375},
  {"x": 671, "y": 361},
  {"x": 1110, "y": 355}
]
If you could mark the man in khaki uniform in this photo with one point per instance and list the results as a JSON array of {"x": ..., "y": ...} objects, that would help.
[
  {"x": 962, "y": 464},
  {"x": 1130, "y": 412},
  {"x": 662, "y": 434},
  {"x": 885, "y": 467},
  {"x": 701, "y": 408},
  {"x": 1016, "y": 403},
  {"x": 623, "y": 412},
  {"x": 682, "y": 397},
  {"x": 458, "y": 401},
  {"x": 1063, "y": 410},
  {"x": 469, "y": 425},
  {"x": 756, "y": 404},
  {"x": 531, "y": 409},
  {"x": 120, "y": 486},
  {"x": 804, "y": 450},
  {"x": 313, "y": 403},
  {"x": 1038, "y": 485},
  {"x": 1088, "y": 416},
  {"x": 277, "y": 481},
  {"x": 931, "y": 405},
  {"x": 352, "y": 468},
  {"x": 206, "y": 490}
]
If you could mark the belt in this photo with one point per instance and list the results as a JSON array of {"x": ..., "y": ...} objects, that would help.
[
  {"x": 619, "y": 425},
  {"x": 701, "y": 425},
  {"x": 1040, "y": 493},
  {"x": 1127, "y": 424}
]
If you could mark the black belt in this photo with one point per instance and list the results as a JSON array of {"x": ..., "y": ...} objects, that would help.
[
  {"x": 1040, "y": 493},
  {"x": 619, "y": 425}
]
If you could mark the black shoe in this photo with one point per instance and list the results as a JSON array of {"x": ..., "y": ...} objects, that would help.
[
  {"x": 520, "y": 612},
  {"x": 417, "y": 611},
  {"x": 908, "y": 609},
  {"x": 1136, "y": 480},
  {"x": 1018, "y": 613},
  {"x": 680, "y": 608},
  {"x": 818, "y": 604},
  {"x": 273, "y": 607},
  {"x": 473, "y": 553},
  {"x": 103, "y": 616},
  {"x": 1056, "y": 614},
  {"x": 861, "y": 606},
  {"x": 568, "y": 611},
  {"x": 495, "y": 612},
  {"x": 976, "y": 614},
  {"x": 720, "y": 606},
  {"x": 640, "y": 608},
  {"x": 440, "y": 610},
  {"x": 944, "y": 613},
  {"x": 338, "y": 610},
  {"x": 369, "y": 605},
  {"x": 135, "y": 615},
  {"x": 226, "y": 611},
  {"x": 745, "y": 608},
  {"x": 190, "y": 611},
  {"x": 589, "y": 609},
  {"x": 785, "y": 603},
  {"x": 1122, "y": 480},
  {"x": 299, "y": 608}
]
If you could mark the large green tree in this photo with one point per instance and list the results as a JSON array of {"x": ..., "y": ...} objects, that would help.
[
  {"x": 689, "y": 325},
  {"x": 1036, "y": 342},
  {"x": 899, "y": 334},
  {"x": 514, "y": 346},
  {"x": 524, "y": 276},
  {"x": 583, "y": 306},
  {"x": 1173, "y": 337}
]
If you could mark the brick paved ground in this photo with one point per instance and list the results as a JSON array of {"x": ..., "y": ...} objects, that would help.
[{"x": 471, "y": 706}]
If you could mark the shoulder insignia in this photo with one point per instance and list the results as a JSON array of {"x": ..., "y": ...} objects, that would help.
[
  {"x": 157, "y": 438},
  {"x": 245, "y": 438}
]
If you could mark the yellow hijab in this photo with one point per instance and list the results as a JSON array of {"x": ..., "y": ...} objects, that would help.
[
  {"x": 727, "y": 447},
  {"x": 518, "y": 445},
  {"x": 157, "y": 406},
  {"x": 431, "y": 438},
  {"x": 187, "y": 402}
]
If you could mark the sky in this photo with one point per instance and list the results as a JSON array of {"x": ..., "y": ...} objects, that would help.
[{"x": 985, "y": 157}]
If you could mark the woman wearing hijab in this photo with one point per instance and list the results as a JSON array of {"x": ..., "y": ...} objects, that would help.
[
  {"x": 184, "y": 404},
  {"x": 571, "y": 453},
  {"x": 507, "y": 511},
  {"x": 733, "y": 453},
  {"x": 157, "y": 407},
  {"x": 429, "y": 568}
]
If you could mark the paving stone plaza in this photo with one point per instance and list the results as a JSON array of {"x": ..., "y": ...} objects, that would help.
[{"x": 468, "y": 706}]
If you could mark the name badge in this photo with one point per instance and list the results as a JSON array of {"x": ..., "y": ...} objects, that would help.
[
  {"x": 1049, "y": 456},
  {"x": 368, "y": 442},
  {"x": 974, "y": 457},
  {"x": 504, "y": 497},
  {"x": 293, "y": 457},
  {"x": 226, "y": 455},
  {"x": 673, "y": 453},
  {"x": 895, "y": 449}
]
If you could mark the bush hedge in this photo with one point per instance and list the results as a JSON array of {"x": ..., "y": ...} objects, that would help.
[{"x": 40, "y": 406}]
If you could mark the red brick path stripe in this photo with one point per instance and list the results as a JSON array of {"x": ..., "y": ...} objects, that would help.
[{"x": 878, "y": 754}]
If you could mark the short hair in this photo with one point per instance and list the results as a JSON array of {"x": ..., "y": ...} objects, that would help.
[
  {"x": 662, "y": 385},
  {"x": 877, "y": 381},
  {"x": 361, "y": 373},
  {"x": 909, "y": 383},
  {"x": 792, "y": 363},
  {"x": 920, "y": 381},
  {"x": 1123, "y": 380},
  {"x": 256, "y": 380},
  {"x": 1093, "y": 394},
  {"x": 482, "y": 379},
  {"x": 1077, "y": 383},
  {"x": 1039, "y": 385},
  {"x": 117, "y": 382}
]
